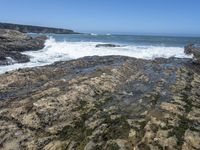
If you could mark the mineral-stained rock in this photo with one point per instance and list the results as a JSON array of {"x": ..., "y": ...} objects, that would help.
[
  {"x": 13, "y": 42},
  {"x": 110, "y": 102}
]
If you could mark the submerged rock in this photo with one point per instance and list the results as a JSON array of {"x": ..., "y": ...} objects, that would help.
[
  {"x": 13, "y": 42},
  {"x": 107, "y": 45},
  {"x": 110, "y": 102}
]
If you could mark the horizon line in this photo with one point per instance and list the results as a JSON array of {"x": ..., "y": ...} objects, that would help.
[{"x": 114, "y": 32}]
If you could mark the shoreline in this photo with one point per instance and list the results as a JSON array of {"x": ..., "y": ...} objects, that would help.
[
  {"x": 51, "y": 64},
  {"x": 100, "y": 102},
  {"x": 57, "y": 49}
]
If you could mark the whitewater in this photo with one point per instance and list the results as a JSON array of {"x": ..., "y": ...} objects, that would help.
[{"x": 63, "y": 50}]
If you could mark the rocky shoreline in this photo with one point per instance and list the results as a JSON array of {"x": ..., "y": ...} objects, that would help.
[
  {"x": 13, "y": 42},
  {"x": 109, "y": 103},
  {"x": 194, "y": 50}
]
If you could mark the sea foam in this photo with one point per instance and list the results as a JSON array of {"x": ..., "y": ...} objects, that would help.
[{"x": 61, "y": 51}]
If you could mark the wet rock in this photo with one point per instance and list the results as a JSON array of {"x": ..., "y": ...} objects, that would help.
[
  {"x": 195, "y": 50},
  {"x": 107, "y": 45},
  {"x": 110, "y": 102},
  {"x": 13, "y": 42}
]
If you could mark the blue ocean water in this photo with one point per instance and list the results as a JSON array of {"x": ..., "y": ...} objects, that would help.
[
  {"x": 65, "y": 47},
  {"x": 139, "y": 40}
]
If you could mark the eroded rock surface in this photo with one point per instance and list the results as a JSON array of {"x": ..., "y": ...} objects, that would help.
[
  {"x": 12, "y": 43},
  {"x": 194, "y": 50},
  {"x": 102, "y": 103}
]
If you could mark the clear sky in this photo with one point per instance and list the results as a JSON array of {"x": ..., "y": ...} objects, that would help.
[{"x": 173, "y": 17}]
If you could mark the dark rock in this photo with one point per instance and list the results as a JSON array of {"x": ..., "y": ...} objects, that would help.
[
  {"x": 110, "y": 102},
  {"x": 107, "y": 45},
  {"x": 195, "y": 50},
  {"x": 13, "y": 42},
  {"x": 35, "y": 29}
]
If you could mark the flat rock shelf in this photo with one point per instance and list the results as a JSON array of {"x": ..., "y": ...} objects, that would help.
[{"x": 95, "y": 103}]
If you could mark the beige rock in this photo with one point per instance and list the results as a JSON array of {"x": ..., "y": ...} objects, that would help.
[
  {"x": 122, "y": 144},
  {"x": 174, "y": 108},
  {"x": 57, "y": 145},
  {"x": 185, "y": 146},
  {"x": 132, "y": 134},
  {"x": 31, "y": 120},
  {"x": 193, "y": 138},
  {"x": 194, "y": 114},
  {"x": 90, "y": 145}
]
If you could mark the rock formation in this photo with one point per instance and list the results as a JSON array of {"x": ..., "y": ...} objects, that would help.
[
  {"x": 13, "y": 42},
  {"x": 35, "y": 29},
  {"x": 195, "y": 50},
  {"x": 107, "y": 45},
  {"x": 109, "y": 103}
]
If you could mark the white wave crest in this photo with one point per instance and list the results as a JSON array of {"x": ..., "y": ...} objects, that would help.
[
  {"x": 94, "y": 34},
  {"x": 72, "y": 50},
  {"x": 60, "y": 51}
]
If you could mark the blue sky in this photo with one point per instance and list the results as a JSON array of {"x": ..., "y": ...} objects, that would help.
[{"x": 169, "y": 17}]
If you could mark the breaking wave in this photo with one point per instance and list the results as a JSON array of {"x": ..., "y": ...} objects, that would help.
[{"x": 60, "y": 51}]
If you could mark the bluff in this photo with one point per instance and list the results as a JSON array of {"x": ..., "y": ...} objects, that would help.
[{"x": 35, "y": 29}]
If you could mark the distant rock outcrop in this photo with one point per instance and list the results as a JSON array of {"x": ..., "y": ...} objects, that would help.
[
  {"x": 195, "y": 50},
  {"x": 35, "y": 29},
  {"x": 107, "y": 45},
  {"x": 13, "y": 42}
]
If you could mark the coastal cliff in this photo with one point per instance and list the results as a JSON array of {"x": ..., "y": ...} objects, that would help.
[
  {"x": 109, "y": 103},
  {"x": 35, "y": 29}
]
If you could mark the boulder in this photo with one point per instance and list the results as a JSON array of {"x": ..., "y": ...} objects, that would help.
[
  {"x": 192, "y": 49},
  {"x": 13, "y": 42}
]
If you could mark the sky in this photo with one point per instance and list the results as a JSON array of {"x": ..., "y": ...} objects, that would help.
[{"x": 167, "y": 17}]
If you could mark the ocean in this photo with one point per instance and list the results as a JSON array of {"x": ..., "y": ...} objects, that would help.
[{"x": 67, "y": 47}]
